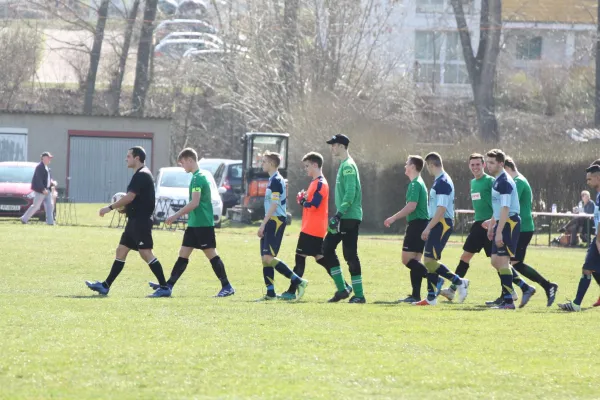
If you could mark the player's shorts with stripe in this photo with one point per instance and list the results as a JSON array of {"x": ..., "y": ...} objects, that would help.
[
  {"x": 438, "y": 237},
  {"x": 273, "y": 236},
  {"x": 412, "y": 237},
  {"x": 200, "y": 238},
  {"x": 478, "y": 240},
  {"x": 522, "y": 244},
  {"x": 510, "y": 237},
  {"x": 592, "y": 258},
  {"x": 137, "y": 234},
  {"x": 309, "y": 245}
]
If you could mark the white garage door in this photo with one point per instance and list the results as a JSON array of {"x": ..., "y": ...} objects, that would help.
[
  {"x": 13, "y": 144},
  {"x": 97, "y": 166}
]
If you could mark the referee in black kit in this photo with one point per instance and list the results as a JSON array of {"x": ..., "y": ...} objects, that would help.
[{"x": 139, "y": 205}]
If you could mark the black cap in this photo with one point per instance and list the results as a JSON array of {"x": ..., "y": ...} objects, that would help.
[
  {"x": 339, "y": 138},
  {"x": 47, "y": 154}
]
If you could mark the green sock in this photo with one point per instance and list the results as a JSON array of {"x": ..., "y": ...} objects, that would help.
[
  {"x": 338, "y": 278},
  {"x": 357, "y": 285}
]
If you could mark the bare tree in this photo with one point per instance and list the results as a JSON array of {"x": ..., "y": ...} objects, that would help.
[
  {"x": 288, "y": 49},
  {"x": 90, "y": 86},
  {"x": 597, "y": 97},
  {"x": 142, "y": 76},
  {"x": 481, "y": 67}
]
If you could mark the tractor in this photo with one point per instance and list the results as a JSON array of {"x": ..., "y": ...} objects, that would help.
[{"x": 254, "y": 180}]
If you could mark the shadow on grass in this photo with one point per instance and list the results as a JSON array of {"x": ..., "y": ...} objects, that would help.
[{"x": 91, "y": 296}]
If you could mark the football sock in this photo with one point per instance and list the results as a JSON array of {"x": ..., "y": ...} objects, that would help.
[
  {"x": 517, "y": 280},
  {"x": 461, "y": 270},
  {"x": 584, "y": 284},
  {"x": 445, "y": 272},
  {"x": 115, "y": 270},
  {"x": 219, "y": 269},
  {"x": 357, "y": 285},
  {"x": 506, "y": 278},
  {"x": 531, "y": 274},
  {"x": 432, "y": 281},
  {"x": 178, "y": 270},
  {"x": 338, "y": 278},
  {"x": 157, "y": 270},
  {"x": 298, "y": 270},
  {"x": 416, "y": 279},
  {"x": 269, "y": 277},
  {"x": 284, "y": 270},
  {"x": 596, "y": 276}
]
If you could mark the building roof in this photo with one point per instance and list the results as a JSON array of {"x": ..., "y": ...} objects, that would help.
[
  {"x": 77, "y": 114},
  {"x": 562, "y": 11}
]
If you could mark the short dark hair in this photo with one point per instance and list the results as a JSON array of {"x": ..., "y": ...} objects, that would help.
[
  {"x": 188, "y": 152},
  {"x": 434, "y": 158},
  {"x": 417, "y": 161},
  {"x": 476, "y": 156},
  {"x": 496, "y": 154},
  {"x": 510, "y": 163},
  {"x": 314, "y": 157},
  {"x": 139, "y": 152},
  {"x": 275, "y": 158}
]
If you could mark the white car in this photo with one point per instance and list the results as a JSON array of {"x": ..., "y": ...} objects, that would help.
[
  {"x": 172, "y": 193},
  {"x": 176, "y": 48},
  {"x": 207, "y": 37}
]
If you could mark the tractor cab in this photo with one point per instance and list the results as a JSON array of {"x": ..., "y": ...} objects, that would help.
[{"x": 255, "y": 181}]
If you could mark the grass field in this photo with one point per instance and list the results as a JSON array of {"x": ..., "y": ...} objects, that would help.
[{"x": 59, "y": 340}]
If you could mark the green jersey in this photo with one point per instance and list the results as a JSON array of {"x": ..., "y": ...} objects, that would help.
[
  {"x": 525, "y": 201},
  {"x": 348, "y": 192},
  {"x": 481, "y": 197},
  {"x": 201, "y": 216},
  {"x": 417, "y": 192}
]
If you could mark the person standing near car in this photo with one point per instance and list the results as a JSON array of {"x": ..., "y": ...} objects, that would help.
[{"x": 41, "y": 184}]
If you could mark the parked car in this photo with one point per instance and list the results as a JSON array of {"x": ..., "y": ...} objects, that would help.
[
  {"x": 176, "y": 48},
  {"x": 192, "y": 8},
  {"x": 182, "y": 25},
  {"x": 207, "y": 37},
  {"x": 229, "y": 182},
  {"x": 211, "y": 164},
  {"x": 172, "y": 193},
  {"x": 15, "y": 189}
]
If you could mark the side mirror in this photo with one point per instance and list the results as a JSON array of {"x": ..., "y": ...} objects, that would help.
[{"x": 222, "y": 190}]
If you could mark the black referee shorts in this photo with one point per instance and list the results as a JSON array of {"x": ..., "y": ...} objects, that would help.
[
  {"x": 478, "y": 240},
  {"x": 137, "y": 234}
]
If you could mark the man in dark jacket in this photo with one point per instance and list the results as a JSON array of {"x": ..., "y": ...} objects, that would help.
[{"x": 41, "y": 185}]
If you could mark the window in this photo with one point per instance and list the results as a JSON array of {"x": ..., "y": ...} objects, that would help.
[
  {"x": 428, "y": 46},
  {"x": 529, "y": 48},
  {"x": 430, "y": 6}
]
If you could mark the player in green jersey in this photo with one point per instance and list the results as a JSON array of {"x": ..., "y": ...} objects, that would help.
[
  {"x": 343, "y": 227},
  {"x": 481, "y": 198},
  {"x": 200, "y": 231},
  {"x": 527, "y": 230},
  {"x": 417, "y": 216}
]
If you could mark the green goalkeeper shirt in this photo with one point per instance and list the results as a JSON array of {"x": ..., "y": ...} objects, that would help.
[{"x": 348, "y": 191}]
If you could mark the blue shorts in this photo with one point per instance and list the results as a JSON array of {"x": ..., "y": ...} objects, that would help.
[
  {"x": 592, "y": 258},
  {"x": 273, "y": 236},
  {"x": 438, "y": 237},
  {"x": 510, "y": 237}
]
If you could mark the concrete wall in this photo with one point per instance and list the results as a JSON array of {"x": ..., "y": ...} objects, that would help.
[{"x": 50, "y": 133}]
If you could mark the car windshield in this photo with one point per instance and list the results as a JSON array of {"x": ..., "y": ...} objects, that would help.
[
  {"x": 16, "y": 174},
  {"x": 175, "y": 179},
  {"x": 209, "y": 165}
]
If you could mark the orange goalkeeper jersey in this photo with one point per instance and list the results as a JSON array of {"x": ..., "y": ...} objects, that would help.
[{"x": 316, "y": 208}]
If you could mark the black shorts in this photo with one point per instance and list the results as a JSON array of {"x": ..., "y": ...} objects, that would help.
[
  {"x": 137, "y": 234},
  {"x": 412, "y": 237},
  {"x": 438, "y": 237},
  {"x": 309, "y": 245},
  {"x": 272, "y": 237},
  {"x": 522, "y": 244},
  {"x": 510, "y": 236},
  {"x": 200, "y": 238},
  {"x": 478, "y": 240}
]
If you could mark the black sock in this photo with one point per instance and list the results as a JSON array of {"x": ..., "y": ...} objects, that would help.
[
  {"x": 178, "y": 270},
  {"x": 298, "y": 270},
  {"x": 596, "y": 276},
  {"x": 219, "y": 268},
  {"x": 531, "y": 274},
  {"x": 116, "y": 269},
  {"x": 322, "y": 263},
  {"x": 462, "y": 268},
  {"x": 416, "y": 279},
  {"x": 157, "y": 270},
  {"x": 417, "y": 266}
]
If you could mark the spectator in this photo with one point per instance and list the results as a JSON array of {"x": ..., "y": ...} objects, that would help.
[
  {"x": 41, "y": 184},
  {"x": 580, "y": 225}
]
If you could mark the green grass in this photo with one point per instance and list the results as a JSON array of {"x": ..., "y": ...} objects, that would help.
[{"x": 60, "y": 341}]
